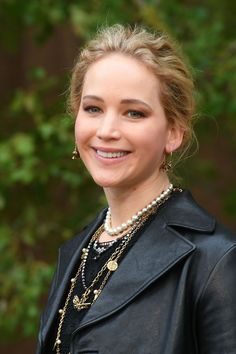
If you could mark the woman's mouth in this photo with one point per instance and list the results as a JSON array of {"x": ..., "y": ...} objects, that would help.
[{"x": 111, "y": 154}]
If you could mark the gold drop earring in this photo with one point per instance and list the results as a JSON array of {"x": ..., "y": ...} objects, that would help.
[
  {"x": 166, "y": 165},
  {"x": 75, "y": 154}
]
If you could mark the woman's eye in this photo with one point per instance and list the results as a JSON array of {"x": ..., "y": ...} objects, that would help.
[
  {"x": 92, "y": 109},
  {"x": 136, "y": 114}
]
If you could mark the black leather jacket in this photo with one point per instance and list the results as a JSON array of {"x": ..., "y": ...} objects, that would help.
[{"x": 173, "y": 293}]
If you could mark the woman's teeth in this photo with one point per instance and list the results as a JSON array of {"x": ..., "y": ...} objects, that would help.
[{"x": 111, "y": 154}]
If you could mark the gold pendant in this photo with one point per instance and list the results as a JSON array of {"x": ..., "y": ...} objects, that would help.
[
  {"x": 78, "y": 304},
  {"x": 112, "y": 265}
]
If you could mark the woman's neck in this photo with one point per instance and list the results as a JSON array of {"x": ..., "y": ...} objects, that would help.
[{"x": 125, "y": 202}]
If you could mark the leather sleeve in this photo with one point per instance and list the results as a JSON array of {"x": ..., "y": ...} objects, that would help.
[
  {"x": 44, "y": 312},
  {"x": 216, "y": 319}
]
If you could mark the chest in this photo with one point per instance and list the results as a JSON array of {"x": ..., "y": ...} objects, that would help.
[{"x": 159, "y": 318}]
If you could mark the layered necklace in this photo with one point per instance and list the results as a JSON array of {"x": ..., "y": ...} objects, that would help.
[
  {"x": 131, "y": 221},
  {"x": 93, "y": 290}
]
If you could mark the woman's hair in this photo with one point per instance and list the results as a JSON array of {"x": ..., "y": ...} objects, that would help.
[{"x": 159, "y": 54}]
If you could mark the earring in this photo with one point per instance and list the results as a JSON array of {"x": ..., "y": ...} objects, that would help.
[
  {"x": 75, "y": 154},
  {"x": 166, "y": 165}
]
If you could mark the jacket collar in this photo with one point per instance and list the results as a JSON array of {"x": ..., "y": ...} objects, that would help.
[
  {"x": 183, "y": 211},
  {"x": 159, "y": 248}
]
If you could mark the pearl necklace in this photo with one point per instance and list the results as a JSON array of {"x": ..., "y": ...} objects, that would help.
[{"x": 130, "y": 222}]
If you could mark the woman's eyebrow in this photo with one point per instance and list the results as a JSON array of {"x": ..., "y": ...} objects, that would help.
[
  {"x": 93, "y": 97},
  {"x": 123, "y": 101},
  {"x": 134, "y": 100}
]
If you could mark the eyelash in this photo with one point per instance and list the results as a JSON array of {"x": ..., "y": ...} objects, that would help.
[
  {"x": 130, "y": 113},
  {"x": 90, "y": 109},
  {"x": 137, "y": 114}
]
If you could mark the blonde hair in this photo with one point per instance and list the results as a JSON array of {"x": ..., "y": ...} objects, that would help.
[{"x": 160, "y": 55}]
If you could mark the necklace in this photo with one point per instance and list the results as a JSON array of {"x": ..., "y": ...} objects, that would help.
[
  {"x": 100, "y": 247},
  {"x": 82, "y": 303},
  {"x": 109, "y": 267},
  {"x": 130, "y": 222},
  {"x": 62, "y": 312}
]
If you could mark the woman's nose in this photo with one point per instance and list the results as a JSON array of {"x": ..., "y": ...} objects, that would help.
[{"x": 109, "y": 127}]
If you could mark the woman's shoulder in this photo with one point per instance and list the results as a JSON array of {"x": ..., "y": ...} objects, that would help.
[
  {"x": 198, "y": 226},
  {"x": 184, "y": 211},
  {"x": 214, "y": 248},
  {"x": 212, "y": 262}
]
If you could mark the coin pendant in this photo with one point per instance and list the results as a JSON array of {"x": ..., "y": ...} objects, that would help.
[{"x": 112, "y": 265}]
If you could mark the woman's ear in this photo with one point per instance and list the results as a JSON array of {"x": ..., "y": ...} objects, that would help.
[{"x": 175, "y": 138}]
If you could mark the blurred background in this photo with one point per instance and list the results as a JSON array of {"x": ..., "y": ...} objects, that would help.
[{"x": 45, "y": 197}]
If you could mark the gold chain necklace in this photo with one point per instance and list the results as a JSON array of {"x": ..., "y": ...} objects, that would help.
[{"x": 111, "y": 265}]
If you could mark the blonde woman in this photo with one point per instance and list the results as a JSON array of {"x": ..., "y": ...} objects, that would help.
[{"x": 154, "y": 273}]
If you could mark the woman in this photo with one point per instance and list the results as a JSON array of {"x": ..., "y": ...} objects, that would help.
[{"x": 153, "y": 273}]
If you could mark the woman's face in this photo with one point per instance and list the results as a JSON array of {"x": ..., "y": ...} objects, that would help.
[{"x": 121, "y": 130}]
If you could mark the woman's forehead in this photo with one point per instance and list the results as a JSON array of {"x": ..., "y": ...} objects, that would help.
[{"x": 123, "y": 75}]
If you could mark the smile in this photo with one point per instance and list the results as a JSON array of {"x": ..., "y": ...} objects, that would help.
[{"x": 111, "y": 155}]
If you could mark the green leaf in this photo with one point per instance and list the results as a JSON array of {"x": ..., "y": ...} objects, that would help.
[{"x": 23, "y": 144}]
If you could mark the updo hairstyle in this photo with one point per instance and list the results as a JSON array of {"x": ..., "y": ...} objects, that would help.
[{"x": 160, "y": 55}]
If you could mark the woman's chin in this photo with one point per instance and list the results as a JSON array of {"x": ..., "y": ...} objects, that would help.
[{"x": 105, "y": 183}]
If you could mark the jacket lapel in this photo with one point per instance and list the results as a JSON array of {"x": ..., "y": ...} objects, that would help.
[{"x": 157, "y": 250}]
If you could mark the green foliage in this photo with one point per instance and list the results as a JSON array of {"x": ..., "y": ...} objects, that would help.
[
  {"x": 44, "y": 196},
  {"x": 21, "y": 281},
  {"x": 38, "y": 198}
]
